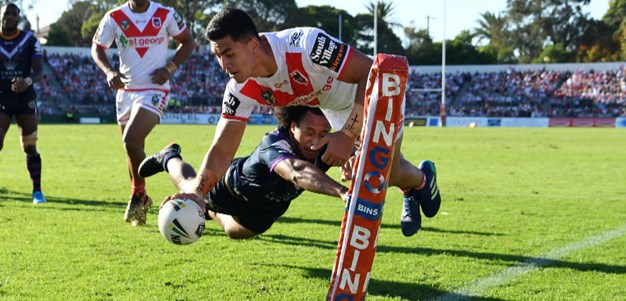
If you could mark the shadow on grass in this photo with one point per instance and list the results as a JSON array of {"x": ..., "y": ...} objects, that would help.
[
  {"x": 383, "y": 288},
  {"x": 21, "y": 196},
  {"x": 512, "y": 259},
  {"x": 298, "y": 220}
]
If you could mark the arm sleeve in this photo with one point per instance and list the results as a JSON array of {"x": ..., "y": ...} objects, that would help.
[
  {"x": 236, "y": 105},
  {"x": 105, "y": 35},
  {"x": 275, "y": 149},
  {"x": 36, "y": 48},
  {"x": 175, "y": 24}
]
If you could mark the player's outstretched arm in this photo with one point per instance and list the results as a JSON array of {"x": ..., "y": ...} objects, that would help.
[{"x": 309, "y": 177}]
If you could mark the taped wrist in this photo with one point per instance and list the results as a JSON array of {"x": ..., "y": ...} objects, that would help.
[{"x": 171, "y": 67}]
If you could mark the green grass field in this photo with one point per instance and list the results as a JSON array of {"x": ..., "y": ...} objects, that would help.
[{"x": 527, "y": 214}]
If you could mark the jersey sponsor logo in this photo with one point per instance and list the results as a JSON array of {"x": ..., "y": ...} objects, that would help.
[
  {"x": 268, "y": 97},
  {"x": 328, "y": 53},
  {"x": 156, "y": 99},
  {"x": 156, "y": 22},
  {"x": 179, "y": 20},
  {"x": 295, "y": 38},
  {"x": 141, "y": 40},
  {"x": 280, "y": 85},
  {"x": 299, "y": 78},
  {"x": 125, "y": 24},
  {"x": 230, "y": 105},
  {"x": 10, "y": 64}
]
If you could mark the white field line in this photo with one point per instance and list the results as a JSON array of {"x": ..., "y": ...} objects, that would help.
[{"x": 478, "y": 287}]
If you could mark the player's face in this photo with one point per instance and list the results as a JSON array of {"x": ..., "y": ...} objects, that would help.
[
  {"x": 10, "y": 17},
  {"x": 311, "y": 129},
  {"x": 236, "y": 57}
]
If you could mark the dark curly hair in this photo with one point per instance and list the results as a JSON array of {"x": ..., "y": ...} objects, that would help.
[{"x": 285, "y": 115}]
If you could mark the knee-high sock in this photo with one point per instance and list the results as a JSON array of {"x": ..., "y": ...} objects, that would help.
[{"x": 33, "y": 163}]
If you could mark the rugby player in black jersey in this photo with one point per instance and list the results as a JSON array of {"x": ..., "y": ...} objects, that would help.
[
  {"x": 20, "y": 67},
  {"x": 259, "y": 188}
]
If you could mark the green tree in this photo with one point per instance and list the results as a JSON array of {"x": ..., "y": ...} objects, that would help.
[
  {"x": 537, "y": 23},
  {"x": 268, "y": 15},
  {"x": 420, "y": 50},
  {"x": 599, "y": 44},
  {"x": 553, "y": 54},
  {"x": 67, "y": 29},
  {"x": 327, "y": 18},
  {"x": 388, "y": 41},
  {"x": 495, "y": 29},
  {"x": 615, "y": 14},
  {"x": 460, "y": 51}
]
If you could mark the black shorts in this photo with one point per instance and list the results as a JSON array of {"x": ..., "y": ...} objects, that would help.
[
  {"x": 221, "y": 200},
  {"x": 18, "y": 104}
]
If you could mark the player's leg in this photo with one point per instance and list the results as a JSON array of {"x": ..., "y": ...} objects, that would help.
[
  {"x": 169, "y": 159},
  {"x": 159, "y": 162},
  {"x": 419, "y": 185},
  {"x": 405, "y": 175},
  {"x": 231, "y": 226},
  {"x": 27, "y": 124},
  {"x": 5, "y": 123},
  {"x": 139, "y": 125}
]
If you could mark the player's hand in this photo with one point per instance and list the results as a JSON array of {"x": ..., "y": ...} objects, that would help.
[
  {"x": 346, "y": 169},
  {"x": 160, "y": 76},
  {"x": 114, "y": 80},
  {"x": 339, "y": 148},
  {"x": 18, "y": 84},
  {"x": 192, "y": 196}
]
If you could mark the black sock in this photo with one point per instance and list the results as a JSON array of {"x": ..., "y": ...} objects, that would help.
[{"x": 33, "y": 163}]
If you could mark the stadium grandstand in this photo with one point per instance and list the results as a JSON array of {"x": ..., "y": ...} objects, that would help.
[{"x": 72, "y": 84}]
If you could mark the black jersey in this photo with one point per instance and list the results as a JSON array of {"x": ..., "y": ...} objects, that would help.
[
  {"x": 16, "y": 55},
  {"x": 253, "y": 178}
]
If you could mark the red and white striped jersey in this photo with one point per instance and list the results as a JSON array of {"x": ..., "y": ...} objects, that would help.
[
  {"x": 310, "y": 66},
  {"x": 142, "y": 40}
]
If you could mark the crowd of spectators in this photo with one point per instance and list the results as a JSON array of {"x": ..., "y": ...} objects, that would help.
[{"x": 198, "y": 85}]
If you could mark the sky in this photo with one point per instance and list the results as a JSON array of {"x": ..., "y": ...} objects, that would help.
[{"x": 421, "y": 14}]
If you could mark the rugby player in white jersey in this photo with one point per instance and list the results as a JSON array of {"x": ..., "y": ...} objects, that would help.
[
  {"x": 141, "y": 30},
  {"x": 302, "y": 66}
]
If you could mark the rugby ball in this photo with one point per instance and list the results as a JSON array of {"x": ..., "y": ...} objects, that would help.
[{"x": 181, "y": 221}]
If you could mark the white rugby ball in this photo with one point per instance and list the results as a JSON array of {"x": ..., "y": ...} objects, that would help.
[{"x": 181, "y": 221}]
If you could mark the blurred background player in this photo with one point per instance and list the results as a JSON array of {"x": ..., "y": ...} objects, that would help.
[
  {"x": 259, "y": 188},
  {"x": 20, "y": 66},
  {"x": 141, "y": 30},
  {"x": 302, "y": 66}
]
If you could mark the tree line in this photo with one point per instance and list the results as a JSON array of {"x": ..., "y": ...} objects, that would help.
[{"x": 528, "y": 31}]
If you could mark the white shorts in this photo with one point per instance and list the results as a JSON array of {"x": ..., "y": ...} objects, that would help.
[
  {"x": 153, "y": 100},
  {"x": 337, "y": 119}
]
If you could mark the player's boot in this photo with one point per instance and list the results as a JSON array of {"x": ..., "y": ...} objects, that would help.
[
  {"x": 38, "y": 198},
  {"x": 157, "y": 162},
  {"x": 141, "y": 217},
  {"x": 411, "y": 220},
  {"x": 135, "y": 206},
  {"x": 428, "y": 197}
]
